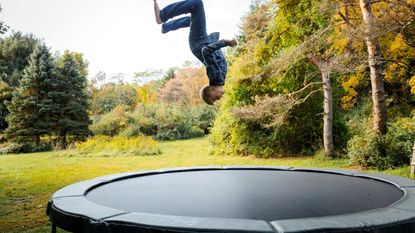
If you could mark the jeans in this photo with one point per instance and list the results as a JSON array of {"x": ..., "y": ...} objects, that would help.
[
  {"x": 206, "y": 48},
  {"x": 196, "y": 22}
]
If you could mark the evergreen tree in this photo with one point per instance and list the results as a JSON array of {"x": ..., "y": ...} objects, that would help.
[
  {"x": 28, "y": 119},
  {"x": 5, "y": 95},
  {"x": 69, "y": 94},
  {"x": 15, "y": 51}
]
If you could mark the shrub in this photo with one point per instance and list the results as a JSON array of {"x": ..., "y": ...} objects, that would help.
[
  {"x": 132, "y": 130},
  {"x": 301, "y": 132},
  {"x": 110, "y": 124},
  {"x": 175, "y": 133},
  {"x": 106, "y": 146},
  {"x": 169, "y": 122},
  {"x": 382, "y": 151},
  {"x": 161, "y": 121},
  {"x": 205, "y": 116},
  {"x": 19, "y": 148}
]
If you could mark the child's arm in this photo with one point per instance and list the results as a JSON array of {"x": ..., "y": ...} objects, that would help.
[{"x": 209, "y": 49}]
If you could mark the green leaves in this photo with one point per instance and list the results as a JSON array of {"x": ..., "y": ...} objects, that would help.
[
  {"x": 3, "y": 27},
  {"x": 26, "y": 118},
  {"x": 258, "y": 115},
  {"x": 51, "y": 100}
]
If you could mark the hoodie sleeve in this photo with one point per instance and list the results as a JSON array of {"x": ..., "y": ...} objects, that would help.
[{"x": 210, "y": 48}]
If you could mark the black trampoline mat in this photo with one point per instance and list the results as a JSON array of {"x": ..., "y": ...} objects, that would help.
[{"x": 246, "y": 194}]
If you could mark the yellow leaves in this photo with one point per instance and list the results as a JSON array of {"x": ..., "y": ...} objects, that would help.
[
  {"x": 339, "y": 44},
  {"x": 412, "y": 84},
  {"x": 397, "y": 50},
  {"x": 399, "y": 47},
  {"x": 350, "y": 86},
  {"x": 348, "y": 102},
  {"x": 262, "y": 53},
  {"x": 137, "y": 146},
  {"x": 3, "y": 85},
  {"x": 146, "y": 94},
  {"x": 395, "y": 73},
  {"x": 242, "y": 67}
]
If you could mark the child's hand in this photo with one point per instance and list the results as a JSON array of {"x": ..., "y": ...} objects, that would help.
[{"x": 231, "y": 43}]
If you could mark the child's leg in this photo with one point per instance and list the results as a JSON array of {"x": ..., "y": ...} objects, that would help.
[
  {"x": 176, "y": 24},
  {"x": 198, "y": 25},
  {"x": 195, "y": 8},
  {"x": 157, "y": 12},
  {"x": 176, "y": 9}
]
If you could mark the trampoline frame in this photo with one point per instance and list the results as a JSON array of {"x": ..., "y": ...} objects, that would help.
[{"x": 69, "y": 209}]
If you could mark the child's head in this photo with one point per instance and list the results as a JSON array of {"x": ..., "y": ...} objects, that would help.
[{"x": 210, "y": 94}]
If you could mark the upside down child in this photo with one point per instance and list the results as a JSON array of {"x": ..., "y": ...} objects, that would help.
[{"x": 207, "y": 48}]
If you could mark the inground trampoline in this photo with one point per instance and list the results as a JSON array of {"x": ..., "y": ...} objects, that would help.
[{"x": 237, "y": 199}]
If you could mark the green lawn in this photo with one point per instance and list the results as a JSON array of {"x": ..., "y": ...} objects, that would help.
[{"x": 27, "y": 181}]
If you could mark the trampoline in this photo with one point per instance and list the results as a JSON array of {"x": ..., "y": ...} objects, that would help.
[{"x": 237, "y": 199}]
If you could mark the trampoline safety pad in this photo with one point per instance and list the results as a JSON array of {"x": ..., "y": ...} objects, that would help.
[{"x": 237, "y": 199}]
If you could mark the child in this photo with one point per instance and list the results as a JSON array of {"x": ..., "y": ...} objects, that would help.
[{"x": 207, "y": 48}]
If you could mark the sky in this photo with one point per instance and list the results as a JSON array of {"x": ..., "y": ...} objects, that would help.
[{"x": 116, "y": 36}]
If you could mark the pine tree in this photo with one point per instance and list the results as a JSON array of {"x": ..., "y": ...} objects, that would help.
[
  {"x": 28, "y": 119},
  {"x": 15, "y": 51},
  {"x": 5, "y": 95},
  {"x": 70, "y": 99}
]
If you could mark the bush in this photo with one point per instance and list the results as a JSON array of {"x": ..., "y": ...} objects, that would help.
[
  {"x": 205, "y": 116},
  {"x": 175, "y": 133},
  {"x": 19, "y": 148},
  {"x": 110, "y": 124},
  {"x": 169, "y": 122},
  {"x": 161, "y": 121},
  {"x": 106, "y": 146},
  {"x": 382, "y": 151},
  {"x": 132, "y": 130},
  {"x": 301, "y": 132}
]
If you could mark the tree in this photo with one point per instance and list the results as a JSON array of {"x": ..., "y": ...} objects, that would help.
[
  {"x": 68, "y": 99},
  {"x": 3, "y": 27},
  {"x": 5, "y": 95},
  {"x": 15, "y": 51},
  {"x": 168, "y": 75},
  {"x": 109, "y": 96},
  {"x": 325, "y": 69},
  {"x": 146, "y": 76},
  {"x": 184, "y": 87},
  {"x": 27, "y": 119},
  {"x": 272, "y": 96},
  {"x": 376, "y": 68}
]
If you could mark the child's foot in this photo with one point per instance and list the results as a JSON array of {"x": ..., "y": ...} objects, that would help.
[
  {"x": 157, "y": 12},
  {"x": 231, "y": 43}
]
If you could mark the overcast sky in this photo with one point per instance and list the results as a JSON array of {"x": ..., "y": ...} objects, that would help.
[{"x": 116, "y": 36}]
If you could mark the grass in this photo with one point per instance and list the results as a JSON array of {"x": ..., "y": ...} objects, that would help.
[{"x": 28, "y": 181}]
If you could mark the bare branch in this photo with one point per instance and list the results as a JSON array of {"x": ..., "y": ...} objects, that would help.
[
  {"x": 346, "y": 20},
  {"x": 273, "y": 111}
]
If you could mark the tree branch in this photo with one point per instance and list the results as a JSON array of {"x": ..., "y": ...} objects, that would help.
[
  {"x": 399, "y": 62},
  {"x": 346, "y": 19}
]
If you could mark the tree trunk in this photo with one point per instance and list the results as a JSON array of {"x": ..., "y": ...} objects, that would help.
[
  {"x": 376, "y": 69},
  {"x": 346, "y": 18},
  {"x": 37, "y": 140},
  {"x": 324, "y": 67},
  {"x": 413, "y": 161},
  {"x": 328, "y": 111},
  {"x": 62, "y": 140}
]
